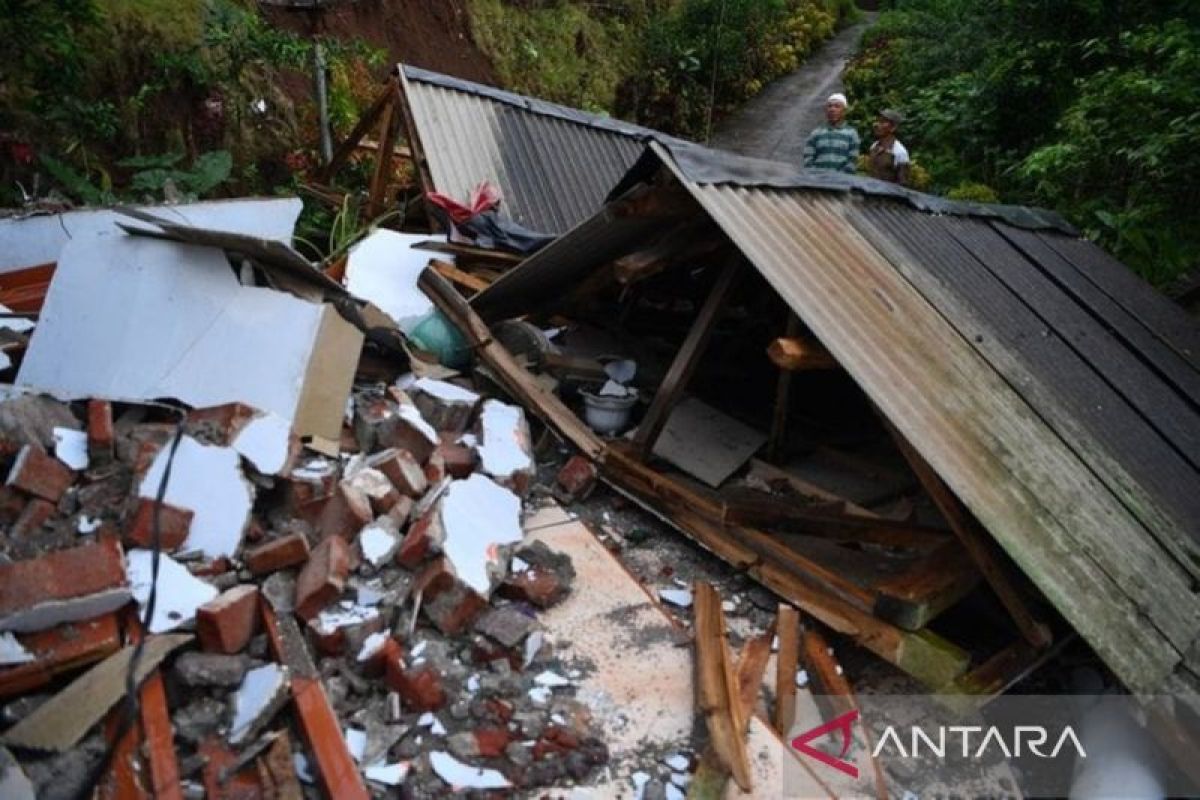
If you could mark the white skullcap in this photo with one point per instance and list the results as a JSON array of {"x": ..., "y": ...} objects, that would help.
[{"x": 838, "y": 97}]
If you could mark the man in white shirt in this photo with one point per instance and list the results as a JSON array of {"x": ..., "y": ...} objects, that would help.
[{"x": 887, "y": 159}]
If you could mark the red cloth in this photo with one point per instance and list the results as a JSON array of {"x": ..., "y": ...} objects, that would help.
[{"x": 484, "y": 197}]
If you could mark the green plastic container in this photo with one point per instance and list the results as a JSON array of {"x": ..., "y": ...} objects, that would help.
[{"x": 437, "y": 335}]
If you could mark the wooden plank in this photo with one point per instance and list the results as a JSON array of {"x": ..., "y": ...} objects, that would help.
[
  {"x": 711, "y": 776},
  {"x": 377, "y": 195},
  {"x": 470, "y": 252},
  {"x": 398, "y": 150},
  {"x": 923, "y": 654},
  {"x": 681, "y": 369},
  {"x": 915, "y": 597},
  {"x": 830, "y": 679},
  {"x": 770, "y": 473},
  {"x": 977, "y": 543},
  {"x": 457, "y": 276},
  {"x": 777, "y": 440},
  {"x": 515, "y": 378},
  {"x": 418, "y": 149},
  {"x": 787, "y": 626},
  {"x": 689, "y": 242},
  {"x": 318, "y": 723},
  {"x": 368, "y": 118},
  {"x": 716, "y": 686}
]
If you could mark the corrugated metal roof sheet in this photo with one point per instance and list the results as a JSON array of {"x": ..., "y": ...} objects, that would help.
[
  {"x": 555, "y": 165},
  {"x": 1067, "y": 434}
]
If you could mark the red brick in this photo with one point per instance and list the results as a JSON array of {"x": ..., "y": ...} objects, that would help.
[
  {"x": 335, "y": 640},
  {"x": 100, "y": 432},
  {"x": 210, "y": 567},
  {"x": 12, "y": 503},
  {"x": 226, "y": 623},
  {"x": 345, "y": 513},
  {"x": 61, "y": 649},
  {"x": 577, "y": 477},
  {"x": 174, "y": 523},
  {"x": 435, "y": 468},
  {"x": 400, "y": 512},
  {"x": 255, "y": 531},
  {"x": 63, "y": 586},
  {"x": 377, "y": 488},
  {"x": 286, "y": 551},
  {"x": 404, "y": 471},
  {"x": 556, "y": 739},
  {"x": 220, "y": 424},
  {"x": 323, "y": 577},
  {"x": 459, "y": 460},
  {"x": 500, "y": 709},
  {"x": 450, "y": 604},
  {"x": 537, "y": 585},
  {"x": 37, "y": 512},
  {"x": 491, "y": 741},
  {"x": 423, "y": 538},
  {"x": 40, "y": 475},
  {"x": 420, "y": 689}
]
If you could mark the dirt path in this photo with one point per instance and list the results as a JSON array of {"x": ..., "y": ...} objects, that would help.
[{"x": 775, "y": 124}]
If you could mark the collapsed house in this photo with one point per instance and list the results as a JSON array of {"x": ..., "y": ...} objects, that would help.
[{"x": 888, "y": 409}]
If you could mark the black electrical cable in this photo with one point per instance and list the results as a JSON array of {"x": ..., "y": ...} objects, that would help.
[{"x": 130, "y": 708}]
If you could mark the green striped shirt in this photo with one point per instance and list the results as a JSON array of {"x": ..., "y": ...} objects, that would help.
[{"x": 832, "y": 148}]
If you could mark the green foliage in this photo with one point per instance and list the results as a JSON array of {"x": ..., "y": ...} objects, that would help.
[
  {"x": 700, "y": 58},
  {"x": 208, "y": 172},
  {"x": 1087, "y": 106}
]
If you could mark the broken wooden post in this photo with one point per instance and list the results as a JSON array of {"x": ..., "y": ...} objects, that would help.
[
  {"x": 368, "y": 118},
  {"x": 716, "y": 686},
  {"x": 686, "y": 360},
  {"x": 377, "y": 198},
  {"x": 976, "y": 541},
  {"x": 787, "y": 627}
]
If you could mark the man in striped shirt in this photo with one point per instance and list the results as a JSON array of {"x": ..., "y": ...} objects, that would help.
[{"x": 833, "y": 146}]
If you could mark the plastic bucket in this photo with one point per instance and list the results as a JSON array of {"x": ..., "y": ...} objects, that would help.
[{"x": 607, "y": 415}]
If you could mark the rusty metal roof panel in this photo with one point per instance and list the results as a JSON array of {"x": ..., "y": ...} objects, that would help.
[
  {"x": 1092, "y": 555},
  {"x": 554, "y": 165}
]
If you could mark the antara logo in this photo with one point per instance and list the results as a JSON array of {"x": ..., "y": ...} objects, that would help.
[
  {"x": 844, "y": 724},
  {"x": 1025, "y": 739}
]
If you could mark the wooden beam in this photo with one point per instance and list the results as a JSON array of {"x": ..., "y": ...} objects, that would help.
[
  {"x": 777, "y": 440},
  {"x": 680, "y": 372},
  {"x": 457, "y": 276},
  {"x": 787, "y": 626},
  {"x": 717, "y": 692},
  {"x": 398, "y": 150},
  {"x": 794, "y": 354},
  {"x": 924, "y": 655},
  {"x": 654, "y": 202},
  {"x": 517, "y": 380},
  {"x": 770, "y": 473},
  {"x": 689, "y": 241},
  {"x": 976, "y": 541},
  {"x": 499, "y": 257},
  {"x": 368, "y": 118},
  {"x": 377, "y": 197},
  {"x": 916, "y": 596}
]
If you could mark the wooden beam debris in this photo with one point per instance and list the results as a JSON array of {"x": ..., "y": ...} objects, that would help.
[
  {"x": 716, "y": 686},
  {"x": 795, "y": 353},
  {"x": 787, "y": 627},
  {"x": 680, "y": 372}
]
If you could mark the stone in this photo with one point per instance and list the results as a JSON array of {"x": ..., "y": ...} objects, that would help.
[
  {"x": 506, "y": 625},
  {"x": 199, "y": 719},
  {"x": 199, "y": 670},
  {"x": 546, "y": 580}
]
